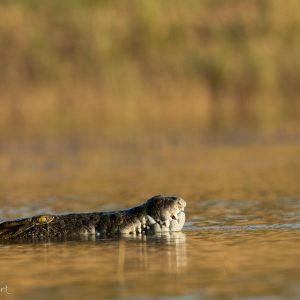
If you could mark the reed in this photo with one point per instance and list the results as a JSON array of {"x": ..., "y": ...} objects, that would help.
[{"x": 137, "y": 69}]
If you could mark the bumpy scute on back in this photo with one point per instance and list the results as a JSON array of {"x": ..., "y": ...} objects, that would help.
[{"x": 158, "y": 214}]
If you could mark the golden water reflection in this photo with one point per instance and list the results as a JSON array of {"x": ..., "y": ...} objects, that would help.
[
  {"x": 241, "y": 239},
  {"x": 108, "y": 268},
  {"x": 215, "y": 265}
]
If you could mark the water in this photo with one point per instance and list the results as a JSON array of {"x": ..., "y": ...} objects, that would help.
[{"x": 241, "y": 239}]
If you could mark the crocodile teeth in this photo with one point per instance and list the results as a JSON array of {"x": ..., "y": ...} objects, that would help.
[
  {"x": 167, "y": 223},
  {"x": 151, "y": 220},
  {"x": 175, "y": 216}
]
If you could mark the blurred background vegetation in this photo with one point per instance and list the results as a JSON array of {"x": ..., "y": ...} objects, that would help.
[{"x": 139, "y": 70}]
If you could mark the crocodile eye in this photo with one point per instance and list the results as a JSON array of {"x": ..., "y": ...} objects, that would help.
[{"x": 44, "y": 219}]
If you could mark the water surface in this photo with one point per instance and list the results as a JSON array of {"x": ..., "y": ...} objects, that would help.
[{"x": 241, "y": 239}]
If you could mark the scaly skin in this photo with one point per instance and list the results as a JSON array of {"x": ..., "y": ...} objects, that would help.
[{"x": 158, "y": 214}]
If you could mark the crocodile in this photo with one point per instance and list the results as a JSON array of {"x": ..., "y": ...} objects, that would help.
[{"x": 158, "y": 214}]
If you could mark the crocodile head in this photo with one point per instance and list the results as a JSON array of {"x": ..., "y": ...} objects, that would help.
[{"x": 165, "y": 213}]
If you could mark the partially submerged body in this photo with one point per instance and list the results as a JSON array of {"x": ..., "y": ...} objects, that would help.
[{"x": 158, "y": 214}]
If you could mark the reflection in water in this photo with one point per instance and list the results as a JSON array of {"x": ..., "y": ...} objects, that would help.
[
  {"x": 108, "y": 267},
  {"x": 213, "y": 264},
  {"x": 251, "y": 264},
  {"x": 160, "y": 253},
  {"x": 241, "y": 240}
]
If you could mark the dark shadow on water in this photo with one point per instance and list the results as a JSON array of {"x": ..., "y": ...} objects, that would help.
[{"x": 158, "y": 238}]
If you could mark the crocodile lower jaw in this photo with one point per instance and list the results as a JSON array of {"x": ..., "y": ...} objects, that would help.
[{"x": 169, "y": 225}]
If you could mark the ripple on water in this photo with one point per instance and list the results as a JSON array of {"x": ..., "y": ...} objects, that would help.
[
  {"x": 192, "y": 226},
  {"x": 243, "y": 215}
]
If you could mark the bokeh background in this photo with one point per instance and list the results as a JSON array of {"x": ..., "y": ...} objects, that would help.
[
  {"x": 114, "y": 101},
  {"x": 98, "y": 71},
  {"x": 105, "y": 103}
]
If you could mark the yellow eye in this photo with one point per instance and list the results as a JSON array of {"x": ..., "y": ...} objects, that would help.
[{"x": 44, "y": 219}]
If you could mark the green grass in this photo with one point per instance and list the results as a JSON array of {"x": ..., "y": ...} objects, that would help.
[{"x": 92, "y": 69}]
